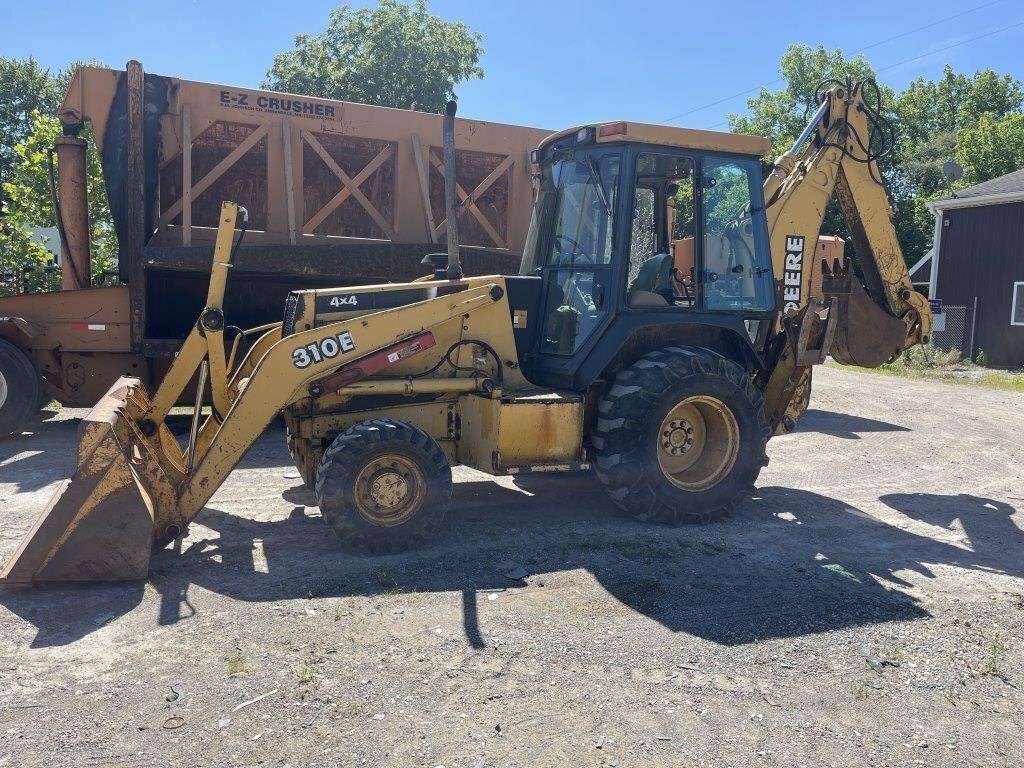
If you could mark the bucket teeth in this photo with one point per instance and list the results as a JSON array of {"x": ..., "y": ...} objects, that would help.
[
  {"x": 99, "y": 524},
  {"x": 835, "y": 279}
]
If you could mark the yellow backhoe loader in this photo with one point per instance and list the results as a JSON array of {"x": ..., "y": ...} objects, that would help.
[{"x": 666, "y": 369}]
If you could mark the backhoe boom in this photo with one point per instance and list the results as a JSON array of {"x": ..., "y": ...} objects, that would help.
[{"x": 841, "y": 160}]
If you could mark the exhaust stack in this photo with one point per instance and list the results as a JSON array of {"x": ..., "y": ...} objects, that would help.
[{"x": 451, "y": 209}]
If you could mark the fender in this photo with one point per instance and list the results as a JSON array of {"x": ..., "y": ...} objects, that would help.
[{"x": 29, "y": 329}]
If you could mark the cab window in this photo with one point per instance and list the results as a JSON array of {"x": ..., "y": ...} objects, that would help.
[{"x": 584, "y": 208}]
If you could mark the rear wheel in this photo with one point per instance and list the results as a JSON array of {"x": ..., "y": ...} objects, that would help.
[
  {"x": 680, "y": 436},
  {"x": 20, "y": 389},
  {"x": 383, "y": 484}
]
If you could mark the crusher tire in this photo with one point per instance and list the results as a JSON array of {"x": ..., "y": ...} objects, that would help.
[
  {"x": 383, "y": 485},
  {"x": 680, "y": 436},
  {"x": 20, "y": 389}
]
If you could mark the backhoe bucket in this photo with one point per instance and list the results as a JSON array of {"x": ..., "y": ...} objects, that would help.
[
  {"x": 865, "y": 334},
  {"x": 99, "y": 525}
]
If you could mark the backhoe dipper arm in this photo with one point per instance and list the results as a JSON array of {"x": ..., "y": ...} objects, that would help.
[{"x": 870, "y": 327}]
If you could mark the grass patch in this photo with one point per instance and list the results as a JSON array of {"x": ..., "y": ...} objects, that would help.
[
  {"x": 939, "y": 365},
  {"x": 305, "y": 673},
  {"x": 992, "y": 665},
  {"x": 236, "y": 662},
  {"x": 386, "y": 583},
  {"x": 837, "y": 569},
  {"x": 999, "y": 380}
]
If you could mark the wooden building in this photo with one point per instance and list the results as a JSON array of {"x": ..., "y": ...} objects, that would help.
[{"x": 977, "y": 262}]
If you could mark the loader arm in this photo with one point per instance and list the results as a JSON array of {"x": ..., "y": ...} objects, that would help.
[
  {"x": 135, "y": 485},
  {"x": 276, "y": 382}
]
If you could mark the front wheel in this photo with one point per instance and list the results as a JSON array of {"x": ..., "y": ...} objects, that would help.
[
  {"x": 680, "y": 436},
  {"x": 383, "y": 484}
]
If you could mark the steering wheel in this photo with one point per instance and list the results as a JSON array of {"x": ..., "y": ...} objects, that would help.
[{"x": 577, "y": 249}]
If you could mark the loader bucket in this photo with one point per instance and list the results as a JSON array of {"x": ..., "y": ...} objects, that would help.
[
  {"x": 865, "y": 333},
  {"x": 99, "y": 525}
]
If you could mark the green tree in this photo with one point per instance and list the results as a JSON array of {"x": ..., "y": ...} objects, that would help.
[
  {"x": 25, "y": 87},
  {"x": 922, "y": 164},
  {"x": 932, "y": 115},
  {"x": 781, "y": 115},
  {"x": 991, "y": 148},
  {"x": 954, "y": 102},
  {"x": 973, "y": 118},
  {"x": 393, "y": 55},
  {"x": 28, "y": 204}
]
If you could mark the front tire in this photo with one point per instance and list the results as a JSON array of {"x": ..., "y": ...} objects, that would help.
[
  {"x": 383, "y": 485},
  {"x": 680, "y": 436},
  {"x": 20, "y": 389}
]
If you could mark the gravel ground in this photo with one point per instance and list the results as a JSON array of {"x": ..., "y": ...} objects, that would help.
[{"x": 888, "y": 526}]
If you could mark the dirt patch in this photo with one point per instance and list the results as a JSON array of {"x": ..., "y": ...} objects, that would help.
[{"x": 864, "y": 608}]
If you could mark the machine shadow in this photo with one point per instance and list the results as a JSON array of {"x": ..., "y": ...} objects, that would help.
[
  {"x": 982, "y": 521},
  {"x": 47, "y": 458},
  {"x": 843, "y": 425},
  {"x": 44, "y": 457},
  {"x": 790, "y": 562},
  {"x": 64, "y": 613}
]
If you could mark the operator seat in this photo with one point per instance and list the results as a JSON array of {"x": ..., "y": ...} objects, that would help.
[{"x": 652, "y": 286}]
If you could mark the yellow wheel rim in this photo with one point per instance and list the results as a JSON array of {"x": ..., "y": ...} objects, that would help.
[
  {"x": 698, "y": 443},
  {"x": 389, "y": 490}
]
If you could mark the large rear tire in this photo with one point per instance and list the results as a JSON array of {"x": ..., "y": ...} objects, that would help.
[
  {"x": 680, "y": 436},
  {"x": 383, "y": 485},
  {"x": 20, "y": 389}
]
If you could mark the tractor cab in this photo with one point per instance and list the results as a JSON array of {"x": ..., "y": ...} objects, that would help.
[{"x": 643, "y": 236}]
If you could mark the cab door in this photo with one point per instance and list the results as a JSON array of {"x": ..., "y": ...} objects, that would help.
[
  {"x": 736, "y": 272},
  {"x": 576, "y": 261}
]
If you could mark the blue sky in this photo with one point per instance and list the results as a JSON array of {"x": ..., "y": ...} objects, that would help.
[{"x": 556, "y": 63}]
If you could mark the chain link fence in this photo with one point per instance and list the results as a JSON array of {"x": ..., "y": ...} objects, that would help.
[
  {"x": 32, "y": 278},
  {"x": 35, "y": 278},
  {"x": 958, "y": 332}
]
